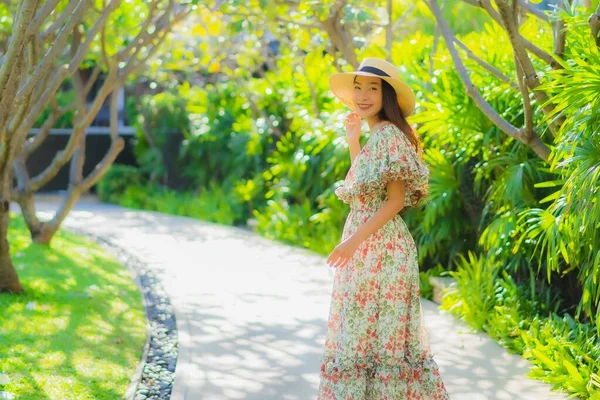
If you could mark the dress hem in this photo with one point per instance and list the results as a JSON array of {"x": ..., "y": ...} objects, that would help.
[{"x": 332, "y": 370}]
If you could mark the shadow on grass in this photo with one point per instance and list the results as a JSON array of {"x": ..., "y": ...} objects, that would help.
[{"x": 79, "y": 329}]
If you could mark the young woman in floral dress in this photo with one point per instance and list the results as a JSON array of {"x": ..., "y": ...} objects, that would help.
[{"x": 376, "y": 346}]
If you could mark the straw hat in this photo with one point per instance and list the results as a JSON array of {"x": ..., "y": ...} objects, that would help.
[{"x": 342, "y": 84}]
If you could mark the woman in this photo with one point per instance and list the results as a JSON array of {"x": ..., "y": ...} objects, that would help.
[{"x": 376, "y": 346}]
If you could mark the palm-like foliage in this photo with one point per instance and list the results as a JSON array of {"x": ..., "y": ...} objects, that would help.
[{"x": 567, "y": 230}]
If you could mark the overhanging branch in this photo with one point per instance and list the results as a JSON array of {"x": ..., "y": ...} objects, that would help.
[
  {"x": 537, "y": 146},
  {"x": 531, "y": 77},
  {"x": 532, "y": 48},
  {"x": 495, "y": 71}
]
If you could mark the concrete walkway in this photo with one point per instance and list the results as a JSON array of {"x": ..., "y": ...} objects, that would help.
[{"x": 251, "y": 313}]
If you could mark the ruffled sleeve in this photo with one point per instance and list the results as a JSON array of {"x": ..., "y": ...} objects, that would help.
[{"x": 388, "y": 155}]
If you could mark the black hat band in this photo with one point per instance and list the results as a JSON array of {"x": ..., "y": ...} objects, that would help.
[{"x": 373, "y": 70}]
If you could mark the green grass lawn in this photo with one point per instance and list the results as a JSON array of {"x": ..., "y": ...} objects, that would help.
[{"x": 79, "y": 329}]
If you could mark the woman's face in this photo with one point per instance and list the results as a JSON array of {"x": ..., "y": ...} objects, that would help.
[{"x": 367, "y": 96}]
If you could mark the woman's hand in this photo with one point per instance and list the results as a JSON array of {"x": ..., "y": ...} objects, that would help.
[
  {"x": 352, "y": 123},
  {"x": 341, "y": 255}
]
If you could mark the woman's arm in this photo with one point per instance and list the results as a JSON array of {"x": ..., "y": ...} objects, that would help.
[
  {"x": 343, "y": 252},
  {"x": 389, "y": 209},
  {"x": 353, "y": 128},
  {"x": 354, "y": 146}
]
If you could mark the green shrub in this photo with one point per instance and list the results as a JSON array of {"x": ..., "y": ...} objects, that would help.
[
  {"x": 225, "y": 144},
  {"x": 161, "y": 123},
  {"x": 63, "y": 98},
  {"x": 530, "y": 322},
  {"x": 117, "y": 180},
  {"x": 474, "y": 296},
  {"x": 565, "y": 352},
  {"x": 215, "y": 204}
]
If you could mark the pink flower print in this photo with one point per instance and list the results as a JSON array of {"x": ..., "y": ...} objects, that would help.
[
  {"x": 333, "y": 377},
  {"x": 365, "y": 251},
  {"x": 377, "y": 358},
  {"x": 328, "y": 394},
  {"x": 329, "y": 344},
  {"x": 412, "y": 395},
  {"x": 385, "y": 379},
  {"x": 334, "y": 321},
  {"x": 373, "y": 285},
  {"x": 372, "y": 334},
  {"x": 395, "y": 342},
  {"x": 392, "y": 294},
  {"x": 361, "y": 298},
  {"x": 417, "y": 374},
  {"x": 376, "y": 268},
  {"x": 335, "y": 296},
  {"x": 361, "y": 346}
]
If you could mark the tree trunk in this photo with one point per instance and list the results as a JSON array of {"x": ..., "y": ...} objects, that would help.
[
  {"x": 45, "y": 234},
  {"x": 45, "y": 75},
  {"x": 48, "y": 229},
  {"x": 9, "y": 280},
  {"x": 27, "y": 205},
  {"x": 42, "y": 232}
]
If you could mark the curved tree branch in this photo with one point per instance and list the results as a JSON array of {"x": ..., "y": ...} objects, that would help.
[
  {"x": 338, "y": 35},
  {"x": 495, "y": 71},
  {"x": 534, "y": 11},
  {"x": 533, "y": 142},
  {"x": 527, "y": 109},
  {"x": 532, "y": 48},
  {"x": 54, "y": 52},
  {"x": 560, "y": 34},
  {"x": 51, "y": 31},
  {"x": 531, "y": 77},
  {"x": 116, "y": 144}
]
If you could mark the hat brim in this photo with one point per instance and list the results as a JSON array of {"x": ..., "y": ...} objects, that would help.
[{"x": 342, "y": 86}]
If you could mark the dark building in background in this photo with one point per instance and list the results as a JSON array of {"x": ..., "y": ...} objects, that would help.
[
  {"x": 97, "y": 145},
  {"x": 97, "y": 141}
]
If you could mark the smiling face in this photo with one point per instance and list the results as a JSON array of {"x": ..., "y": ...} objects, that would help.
[{"x": 367, "y": 96}]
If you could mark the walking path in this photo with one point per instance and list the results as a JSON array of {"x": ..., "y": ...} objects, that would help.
[{"x": 251, "y": 313}]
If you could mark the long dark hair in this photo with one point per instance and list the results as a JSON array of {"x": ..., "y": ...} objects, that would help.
[{"x": 390, "y": 111}]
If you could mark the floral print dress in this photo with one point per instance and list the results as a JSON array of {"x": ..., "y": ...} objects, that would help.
[{"x": 376, "y": 345}]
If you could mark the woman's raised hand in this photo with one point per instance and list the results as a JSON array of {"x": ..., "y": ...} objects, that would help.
[{"x": 353, "y": 125}]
